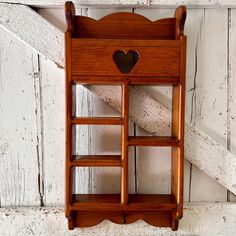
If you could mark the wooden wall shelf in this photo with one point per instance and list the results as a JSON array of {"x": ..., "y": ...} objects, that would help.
[{"x": 125, "y": 49}]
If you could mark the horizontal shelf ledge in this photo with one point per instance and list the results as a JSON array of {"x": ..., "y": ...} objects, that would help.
[
  {"x": 164, "y": 141},
  {"x": 151, "y": 202},
  {"x": 96, "y": 160},
  {"x": 78, "y": 42},
  {"x": 97, "y": 121},
  {"x": 117, "y": 80},
  {"x": 137, "y": 202}
]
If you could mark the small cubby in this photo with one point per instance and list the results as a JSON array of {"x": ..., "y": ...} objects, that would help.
[
  {"x": 86, "y": 103},
  {"x": 130, "y": 52},
  {"x": 95, "y": 180},
  {"x": 98, "y": 133},
  {"x": 153, "y": 170}
]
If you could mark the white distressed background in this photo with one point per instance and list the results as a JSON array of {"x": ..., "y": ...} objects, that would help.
[{"x": 32, "y": 130}]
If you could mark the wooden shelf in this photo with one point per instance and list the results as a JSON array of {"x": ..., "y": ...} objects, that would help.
[
  {"x": 151, "y": 202},
  {"x": 136, "y": 202},
  {"x": 153, "y": 141},
  {"x": 131, "y": 51},
  {"x": 117, "y": 80},
  {"x": 96, "y": 160},
  {"x": 93, "y": 202},
  {"x": 97, "y": 121}
]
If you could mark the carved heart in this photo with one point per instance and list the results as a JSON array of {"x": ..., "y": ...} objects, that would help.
[{"x": 125, "y": 61}]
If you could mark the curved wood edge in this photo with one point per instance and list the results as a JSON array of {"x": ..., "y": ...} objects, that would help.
[
  {"x": 92, "y": 218},
  {"x": 69, "y": 15},
  {"x": 180, "y": 15},
  {"x": 120, "y": 15}
]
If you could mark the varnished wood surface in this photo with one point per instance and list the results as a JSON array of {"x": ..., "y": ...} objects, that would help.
[
  {"x": 96, "y": 160},
  {"x": 136, "y": 202},
  {"x": 91, "y": 218},
  {"x": 98, "y": 59},
  {"x": 124, "y": 25},
  {"x": 116, "y": 42},
  {"x": 69, "y": 13},
  {"x": 152, "y": 52},
  {"x": 97, "y": 121},
  {"x": 117, "y": 80},
  {"x": 153, "y": 141},
  {"x": 124, "y": 143}
]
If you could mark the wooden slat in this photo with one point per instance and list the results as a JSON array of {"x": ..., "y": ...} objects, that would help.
[
  {"x": 106, "y": 80},
  {"x": 151, "y": 202},
  {"x": 96, "y": 160},
  {"x": 68, "y": 127},
  {"x": 124, "y": 142},
  {"x": 96, "y": 202},
  {"x": 153, "y": 141},
  {"x": 20, "y": 126},
  {"x": 97, "y": 59},
  {"x": 97, "y": 121},
  {"x": 85, "y": 42},
  {"x": 104, "y": 202}
]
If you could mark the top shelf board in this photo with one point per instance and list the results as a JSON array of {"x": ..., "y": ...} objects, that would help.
[{"x": 125, "y": 25}]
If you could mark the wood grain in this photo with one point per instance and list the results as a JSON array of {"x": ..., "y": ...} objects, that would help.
[
  {"x": 206, "y": 84},
  {"x": 95, "y": 57},
  {"x": 112, "y": 27}
]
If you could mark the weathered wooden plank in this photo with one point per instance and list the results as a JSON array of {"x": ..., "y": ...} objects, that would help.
[
  {"x": 131, "y": 3},
  {"x": 52, "y": 121},
  {"x": 194, "y": 17},
  {"x": 21, "y": 20},
  {"x": 231, "y": 84},
  {"x": 19, "y": 146},
  {"x": 207, "y": 83},
  {"x": 217, "y": 167},
  {"x": 199, "y": 219}
]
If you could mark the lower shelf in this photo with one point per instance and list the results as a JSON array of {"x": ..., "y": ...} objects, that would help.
[
  {"x": 140, "y": 202},
  {"x": 91, "y": 209}
]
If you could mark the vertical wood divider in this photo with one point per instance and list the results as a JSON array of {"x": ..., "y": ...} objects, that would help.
[
  {"x": 178, "y": 123},
  {"x": 68, "y": 196},
  {"x": 70, "y": 13},
  {"x": 124, "y": 143}
]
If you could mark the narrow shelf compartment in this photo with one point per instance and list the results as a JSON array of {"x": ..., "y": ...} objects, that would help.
[
  {"x": 153, "y": 141},
  {"x": 151, "y": 202},
  {"x": 118, "y": 80},
  {"x": 98, "y": 80},
  {"x": 97, "y": 121},
  {"x": 91, "y": 202},
  {"x": 96, "y": 160},
  {"x": 136, "y": 202}
]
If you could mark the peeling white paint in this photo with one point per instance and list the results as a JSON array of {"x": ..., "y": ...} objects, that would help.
[{"x": 199, "y": 219}]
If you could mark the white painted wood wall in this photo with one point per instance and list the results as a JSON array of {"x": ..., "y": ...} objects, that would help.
[{"x": 32, "y": 128}]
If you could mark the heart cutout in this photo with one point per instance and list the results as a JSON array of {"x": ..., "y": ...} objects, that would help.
[{"x": 125, "y": 62}]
